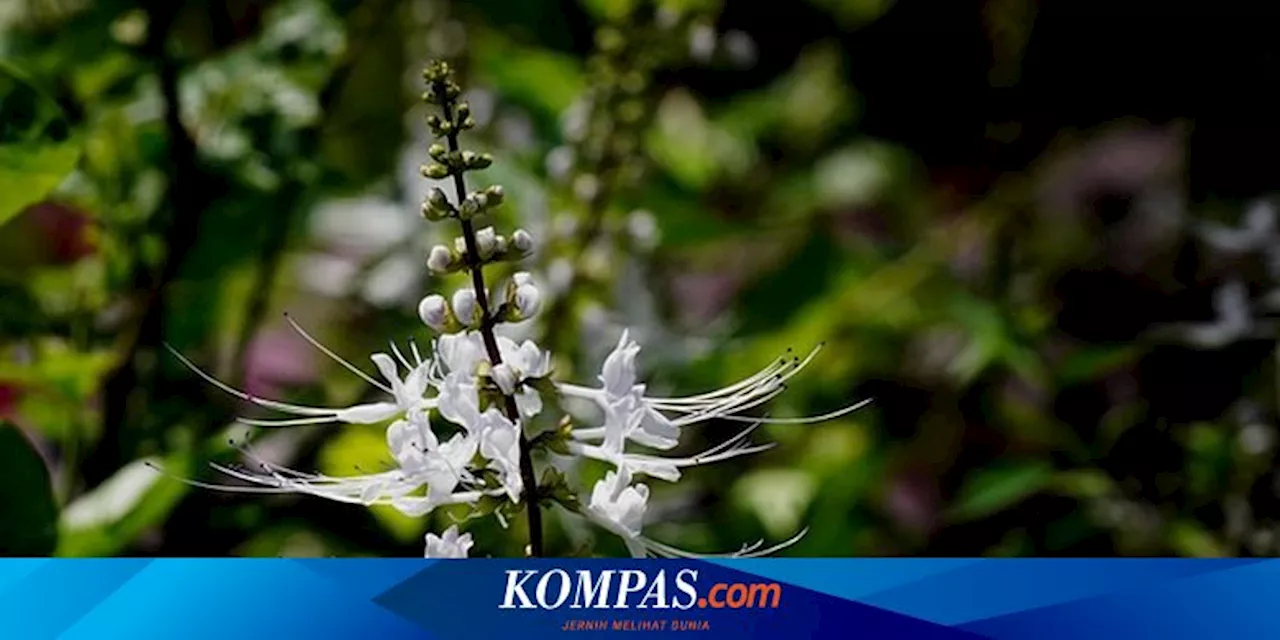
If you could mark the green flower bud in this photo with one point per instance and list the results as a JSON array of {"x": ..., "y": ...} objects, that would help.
[
  {"x": 431, "y": 213},
  {"x": 437, "y": 151},
  {"x": 438, "y": 203},
  {"x": 435, "y": 171},
  {"x": 495, "y": 194},
  {"x": 468, "y": 208}
]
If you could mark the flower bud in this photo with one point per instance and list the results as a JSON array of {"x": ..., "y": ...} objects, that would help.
[
  {"x": 436, "y": 206},
  {"x": 440, "y": 260},
  {"x": 495, "y": 195},
  {"x": 486, "y": 242},
  {"x": 527, "y": 300},
  {"x": 434, "y": 311},
  {"x": 435, "y": 171},
  {"x": 468, "y": 208},
  {"x": 523, "y": 298},
  {"x": 522, "y": 241},
  {"x": 505, "y": 377},
  {"x": 465, "y": 307},
  {"x": 437, "y": 151},
  {"x": 472, "y": 160},
  {"x": 460, "y": 245}
]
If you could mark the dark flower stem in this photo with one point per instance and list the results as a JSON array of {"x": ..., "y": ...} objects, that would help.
[{"x": 476, "y": 267}]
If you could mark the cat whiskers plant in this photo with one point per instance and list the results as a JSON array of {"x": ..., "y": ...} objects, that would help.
[{"x": 489, "y": 387}]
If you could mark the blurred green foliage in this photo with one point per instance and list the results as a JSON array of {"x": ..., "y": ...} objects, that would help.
[{"x": 1043, "y": 338}]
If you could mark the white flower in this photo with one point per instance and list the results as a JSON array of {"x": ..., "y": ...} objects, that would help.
[
  {"x": 619, "y": 508},
  {"x": 434, "y": 311},
  {"x": 448, "y": 545},
  {"x": 622, "y": 422},
  {"x": 440, "y": 467},
  {"x": 407, "y": 394},
  {"x": 661, "y": 418},
  {"x": 428, "y": 473},
  {"x": 460, "y": 356},
  {"x": 505, "y": 377},
  {"x": 500, "y": 443},
  {"x": 394, "y": 488},
  {"x": 529, "y": 363}
]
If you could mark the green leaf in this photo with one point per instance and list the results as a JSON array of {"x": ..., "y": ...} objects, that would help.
[
  {"x": 541, "y": 80},
  {"x": 28, "y": 511},
  {"x": 106, "y": 520},
  {"x": 773, "y": 301},
  {"x": 609, "y": 9},
  {"x": 682, "y": 219},
  {"x": 997, "y": 488},
  {"x": 1091, "y": 362},
  {"x": 1191, "y": 539},
  {"x": 1084, "y": 483},
  {"x": 778, "y": 497},
  {"x": 37, "y": 149}
]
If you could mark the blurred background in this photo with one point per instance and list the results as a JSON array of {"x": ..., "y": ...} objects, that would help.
[{"x": 1037, "y": 236}]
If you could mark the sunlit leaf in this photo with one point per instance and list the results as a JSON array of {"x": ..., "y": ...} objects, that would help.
[
  {"x": 37, "y": 149},
  {"x": 1084, "y": 483},
  {"x": 28, "y": 510},
  {"x": 610, "y": 9},
  {"x": 107, "y": 519},
  {"x": 778, "y": 497}
]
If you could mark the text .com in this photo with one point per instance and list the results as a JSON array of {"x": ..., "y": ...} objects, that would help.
[{"x": 631, "y": 589}]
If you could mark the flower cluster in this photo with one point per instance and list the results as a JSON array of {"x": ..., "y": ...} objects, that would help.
[{"x": 457, "y": 418}]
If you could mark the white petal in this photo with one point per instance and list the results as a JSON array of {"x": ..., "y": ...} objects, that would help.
[{"x": 369, "y": 413}]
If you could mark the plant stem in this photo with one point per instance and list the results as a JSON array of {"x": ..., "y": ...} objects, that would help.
[{"x": 476, "y": 267}]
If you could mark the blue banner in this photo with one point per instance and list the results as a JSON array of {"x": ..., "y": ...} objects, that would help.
[{"x": 472, "y": 599}]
